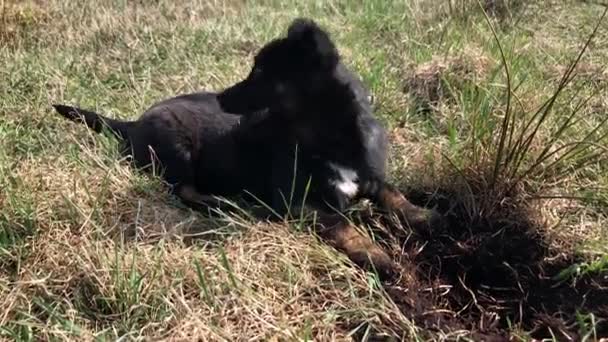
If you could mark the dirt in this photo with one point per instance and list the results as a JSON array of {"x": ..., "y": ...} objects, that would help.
[
  {"x": 487, "y": 275},
  {"x": 440, "y": 79}
]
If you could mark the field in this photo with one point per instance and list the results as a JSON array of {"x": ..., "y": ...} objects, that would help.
[{"x": 497, "y": 115}]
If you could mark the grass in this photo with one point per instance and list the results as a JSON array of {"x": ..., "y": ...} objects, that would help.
[{"x": 91, "y": 249}]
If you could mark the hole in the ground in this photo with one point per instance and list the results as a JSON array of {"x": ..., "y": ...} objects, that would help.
[{"x": 491, "y": 273}]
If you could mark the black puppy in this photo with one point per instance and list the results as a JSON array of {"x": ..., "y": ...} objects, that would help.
[
  {"x": 315, "y": 119},
  {"x": 341, "y": 146}
]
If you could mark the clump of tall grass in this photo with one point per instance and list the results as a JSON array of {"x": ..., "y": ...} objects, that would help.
[{"x": 527, "y": 149}]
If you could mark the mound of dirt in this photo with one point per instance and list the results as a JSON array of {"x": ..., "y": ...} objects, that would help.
[{"x": 439, "y": 79}]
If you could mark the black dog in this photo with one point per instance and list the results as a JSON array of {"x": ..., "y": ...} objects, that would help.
[
  {"x": 326, "y": 109},
  {"x": 319, "y": 119}
]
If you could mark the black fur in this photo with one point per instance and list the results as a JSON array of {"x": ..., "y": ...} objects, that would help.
[
  {"x": 195, "y": 142},
  {"x": 323, "y": 109}
]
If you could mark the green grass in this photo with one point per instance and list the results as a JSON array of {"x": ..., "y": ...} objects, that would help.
[{"x": 91, "y": 249}]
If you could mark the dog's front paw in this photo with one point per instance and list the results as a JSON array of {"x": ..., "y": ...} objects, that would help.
[
  {"x": 423, "y": 219},
  {"x": 417, "y": 218},
  {"x": 373, "y": 258},
  {"x": 360, "y": 249}
]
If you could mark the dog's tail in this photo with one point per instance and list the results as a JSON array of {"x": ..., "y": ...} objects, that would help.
[{"x": 95, "y": 121}]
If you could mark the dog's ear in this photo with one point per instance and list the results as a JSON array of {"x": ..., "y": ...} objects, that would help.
[{"x": 313, "y": 42}]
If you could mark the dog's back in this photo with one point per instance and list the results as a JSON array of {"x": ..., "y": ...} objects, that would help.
[
  {"x": 189, "y": 137},
  {"x": 184, "y": 124}
]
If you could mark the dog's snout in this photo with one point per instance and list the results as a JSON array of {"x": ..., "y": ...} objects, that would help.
[
  {"x": 233, "y": 99},
  {"x": 245, "y": 97}
]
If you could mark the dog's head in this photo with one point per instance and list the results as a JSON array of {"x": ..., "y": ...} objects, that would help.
[
  {"x": 286, "y": 71},
  {"x": 300, "y": 78}
]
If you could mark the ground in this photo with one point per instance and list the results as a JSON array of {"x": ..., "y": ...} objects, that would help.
[{"x": 92, "y": 249}]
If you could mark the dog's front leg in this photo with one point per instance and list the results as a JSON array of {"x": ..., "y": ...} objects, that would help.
[
  {"x": 360, "y": 248},
  {"x": 342, "y": 235},
  {"x": 389, "y": 198}
]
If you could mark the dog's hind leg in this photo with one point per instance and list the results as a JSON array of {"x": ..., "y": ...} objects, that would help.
[
  {"x": 360, "y": 248},
  {"x": 209, "y": 204},
  {"x": 193, "y": 198},
  {"x": 176, "y": 164}
]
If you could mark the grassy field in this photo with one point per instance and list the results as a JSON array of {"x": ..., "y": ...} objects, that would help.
[{"x": 513, "y": 153}]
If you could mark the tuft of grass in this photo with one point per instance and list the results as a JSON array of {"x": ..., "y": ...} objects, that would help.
[
  {"x": 599, "y": 266},
  {"x": 514, "y": 155}
]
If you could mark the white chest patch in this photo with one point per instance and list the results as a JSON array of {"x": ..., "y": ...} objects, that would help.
[{"x": 347, "y": 181}]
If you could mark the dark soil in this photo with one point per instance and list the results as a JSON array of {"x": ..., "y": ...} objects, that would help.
[{"x": 488, "y": 275}]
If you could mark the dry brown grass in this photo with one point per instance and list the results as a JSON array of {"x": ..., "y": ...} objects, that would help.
[
  {"x": 95, "y": 233},
  {"x": 504, "y": 11},
  {"x": 19, "y": 18}
]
